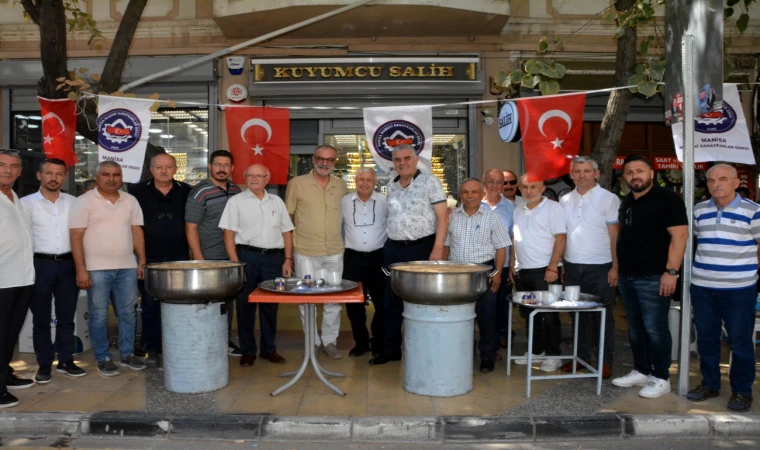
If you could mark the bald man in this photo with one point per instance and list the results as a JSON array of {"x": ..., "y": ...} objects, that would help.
[{"x": 258, "y": 231}]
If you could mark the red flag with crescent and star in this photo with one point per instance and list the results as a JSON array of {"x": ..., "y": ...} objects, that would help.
[
  {"x": 259, "y": 135},
  {"x": 59, "y": 127},
  {"x": 551, "y": 128}
]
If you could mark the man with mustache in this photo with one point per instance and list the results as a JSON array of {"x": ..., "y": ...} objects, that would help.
[
  {"x": 313, "y": 202},
  {"x": 650, "y": 249},
  {"x": 56, "y": 274},
  {"x": 510, "y": 188},
  {"x": 204, "y": 208},
  {"x": 16, "y": 274}
]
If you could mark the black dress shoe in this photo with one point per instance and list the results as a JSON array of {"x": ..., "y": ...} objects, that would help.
[
  {"x": 701, "y": 393},
  {"x": 246, "y": 361},
  {"x": 486, "y": 366},
  {"x": 384, "y": 358},
  {"x": 358, "y": 351}
]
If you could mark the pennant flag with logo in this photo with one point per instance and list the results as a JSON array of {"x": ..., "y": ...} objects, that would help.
[
  {"x": 551, "y": 131},
  {"x": 388, "y": 127},
  {"x": 259, "y": 135},
  {"x": 123, "y": 125},
  {"x": 59, "y": 127},
  {"x": 721, "y": 135}
]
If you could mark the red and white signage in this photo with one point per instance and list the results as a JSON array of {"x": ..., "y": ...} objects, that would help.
[
  {"x": 259, "y": 135},
  {"x": 663, "y": 163}
]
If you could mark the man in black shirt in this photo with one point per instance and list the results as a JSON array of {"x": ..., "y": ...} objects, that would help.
[
  {"x": 162, "y": 200},
  {"x": 650, "y": 249}
]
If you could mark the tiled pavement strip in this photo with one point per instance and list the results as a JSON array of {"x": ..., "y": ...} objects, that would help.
[{"x": 372, "y": 391}]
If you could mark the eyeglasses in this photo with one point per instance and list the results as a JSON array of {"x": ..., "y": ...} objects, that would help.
[
  {"x": 511, "y": 182},
  {"x": 322, "y": 160},
  {"x": 222, "y": 166},
  {"x": 365, "y": 224},
  {"x": 256, "y": 176},
  {"x": 495, "y": 182}
]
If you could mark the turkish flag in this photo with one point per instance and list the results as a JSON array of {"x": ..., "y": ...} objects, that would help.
[
  {"x": 551, "y": 128},
  {"x": 259, "y": 135},
  {"x": 59, "y": 127}
]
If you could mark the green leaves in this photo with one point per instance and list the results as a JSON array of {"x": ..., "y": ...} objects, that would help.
[
  {"x": 543, "y": 74},
  {"x": 550, "y": 87},
  {"x": 742, "y": 23}
]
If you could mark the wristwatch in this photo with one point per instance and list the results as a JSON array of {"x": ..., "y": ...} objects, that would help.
[{"x": 673, "y": 272}]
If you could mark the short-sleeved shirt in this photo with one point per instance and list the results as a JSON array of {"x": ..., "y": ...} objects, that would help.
[
  {"x": 204, "y": 208},
  {"x": 317, "y": 214},
  {"x": 726, "y": 244},
  {"x": 475, "y": 238},
  {"x": 535, "y": 230},
  {"x": 108, "y": 243},
  {"x": 258, "y": 223},
  {"x": 164, "y": 217},
  {"x": 505, "y": 209},
  {"x": 643, "y": 241},
  {"x": 16, "y": 244},
  {"x": 587, "y": 217},
  {"x": 411, "y": 215},
  {"x": 50, "y": 222},
  {"x": 365, "y": 225}
]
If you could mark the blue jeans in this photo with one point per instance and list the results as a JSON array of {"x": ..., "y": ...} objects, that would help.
[
  {"x": 123, "y": 284},
  {"x": 735, "y": 308},
  {"x": 647, "y": 314}
]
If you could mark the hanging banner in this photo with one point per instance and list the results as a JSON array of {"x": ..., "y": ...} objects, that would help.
[
  {"x": 720, "y": 136},
  {"x": 123, "y": 125},
  {"x": 388, "y": 127},
  {"x": 59, "y": 128},
  {"x": 259, "y": 135}
]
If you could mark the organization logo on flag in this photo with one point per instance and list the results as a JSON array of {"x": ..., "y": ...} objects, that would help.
[
  {"x": 119, "y": 130},
  {"x": 397, "y": 132},
  {"x": 717, "y": 121}
]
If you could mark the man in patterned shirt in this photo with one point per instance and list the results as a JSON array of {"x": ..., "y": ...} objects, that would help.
[
  {"x": 417, "y": 219},
  {"x": 477, "y": 235}
]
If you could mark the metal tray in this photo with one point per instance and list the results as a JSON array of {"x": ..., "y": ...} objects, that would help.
[
  {"x": 590, "y": 302},
  {"x": 292, "y": 289}
]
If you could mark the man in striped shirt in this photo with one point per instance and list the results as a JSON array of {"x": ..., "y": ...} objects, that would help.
[{"x": 723, "y": 286}]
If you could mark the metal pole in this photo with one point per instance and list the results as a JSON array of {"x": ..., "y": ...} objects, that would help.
[
  {"x": 689, "y": 102},
  {"x": 234, "y": 48}
]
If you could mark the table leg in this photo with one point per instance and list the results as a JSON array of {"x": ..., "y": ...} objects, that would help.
[
  {"x": 509, "y": 339},
  {"x": 317, "y": 368},
  {"x": 602, "y": 319},
  {"x": 530, "y": 350},
  {"x": 575, "y": 341},
  {"x": 307, "y": 351}
]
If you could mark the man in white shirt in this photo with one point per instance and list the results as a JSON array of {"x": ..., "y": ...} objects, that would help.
[
  {"x": 591, "y": 214},
  {"x": 365, "y": 223},
  {"x": 48, "y": 210},
  {"x": 540, "y": 231},
  {"x": 258, "y": 231},
  {"x": 16, "y": 274}
]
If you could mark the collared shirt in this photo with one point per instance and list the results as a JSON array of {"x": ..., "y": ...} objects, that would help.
[
  {"x": 317, "y": 214},
  {"x": 204, "y": 208},
  {"x": 16, "y": 244},
  {"x": 475, "y": 238},
  {"x": 726, "y": 244},
  {"x": 50, "y": 222},
  {"x": 505, "y": 209},
  {"x": 587, "y": 217},
  {"x": 258, "y": 223},
  {"x": 519, "y": 202},
  {"x": 365, "y": 224},
  {"x": 108, "y": 243},
  {"x": 534, "y": 232},
  {"x": 164, "y": 217},
  {"x": 411, "y": 215}
]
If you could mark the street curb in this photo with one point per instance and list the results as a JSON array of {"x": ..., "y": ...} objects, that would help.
[{"x": 449, "y": 429}]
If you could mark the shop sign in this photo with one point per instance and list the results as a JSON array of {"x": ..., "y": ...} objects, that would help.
[
  {"x": 237, "y": 93},
  {"x": 509, "y": 128},
  {"x": 662, "y": 163},
  {"x": 364, "y": 69},
  {"x": 236, "y": 64}
]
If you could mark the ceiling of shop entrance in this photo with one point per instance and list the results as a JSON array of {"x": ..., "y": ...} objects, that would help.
[{"x": 373, "y": 21}]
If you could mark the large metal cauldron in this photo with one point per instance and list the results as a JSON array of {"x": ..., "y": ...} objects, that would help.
[
  {"x": 439, "y": 282},
  {"x": 194, "y": 281}
]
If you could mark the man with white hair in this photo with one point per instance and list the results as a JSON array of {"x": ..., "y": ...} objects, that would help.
[
  {"x": 365, "y": 222},
  {"x": 723, "y": 286}
]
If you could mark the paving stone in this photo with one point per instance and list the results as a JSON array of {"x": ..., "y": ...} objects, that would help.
[
  {"x": 578, "y": 427},
  {"x": 395, "y": 429},
  {"x": 217, "y": 427},
  {"x": 311, "y": 429},
  {"x": 481, "y": 429},
  {"x": 134, "y": 424},
  {"x": 671, "y": 426}
]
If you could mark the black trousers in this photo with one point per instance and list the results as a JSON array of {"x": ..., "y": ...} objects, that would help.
[
  {"x": 14, "y": 303},
  {"x": 258, "y": 267},
  {"x": 547, "y": 330},
  {"x": 151, "y": 308},
  {"x": 366, "y": 268},
  {"x": 502, "y": 303},
  {"x": 394, "y": 305}
]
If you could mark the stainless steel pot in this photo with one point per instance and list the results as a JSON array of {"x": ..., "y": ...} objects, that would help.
[
  {"x": 439, "y": 282},
  {"x": 194, "y": 281}
]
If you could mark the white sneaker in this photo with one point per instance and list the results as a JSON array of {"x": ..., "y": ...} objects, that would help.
[
  {"x": 656, "y": 388},
  {"x": 524, "y": 360},
  {"x": 635, "y": 378},
  {"x": 550, "y": 365}
]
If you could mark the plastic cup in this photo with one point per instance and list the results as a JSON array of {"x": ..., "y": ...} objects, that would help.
[
  {"x": 334, "y": 278},
  {"x": 572, "y": 293},
  {"x": 556, "y": 289}
]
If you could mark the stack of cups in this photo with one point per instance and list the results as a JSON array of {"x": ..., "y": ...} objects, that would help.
[{"x": 572, "y": 293}]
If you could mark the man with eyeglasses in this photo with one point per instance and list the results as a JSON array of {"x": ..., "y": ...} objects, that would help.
[
  {"x": 493, "y": 179},
  {"x": 16, "y": 273},
  {"x": 365, "y": 221},
  {"x": 313, "y": 202},
  {"x": 258, "y": 231},
  {"x": 510, "y": 188},
  {"x": 204, "y": 208},
  {"x": 163, "y": 201},
  {"x": 650, "y": 249}
]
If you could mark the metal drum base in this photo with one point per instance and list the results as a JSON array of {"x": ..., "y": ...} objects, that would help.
[
  {"x": 438, "y": 349},
  {"x": 194, "y": 338}
]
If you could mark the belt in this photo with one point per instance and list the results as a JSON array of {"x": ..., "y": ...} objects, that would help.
[
  {"x": 414, "y": 242},
  {"x": 373, "y": 252},
  {"x": 60, "y": 257},
  {"x": 263, "y": 251}
]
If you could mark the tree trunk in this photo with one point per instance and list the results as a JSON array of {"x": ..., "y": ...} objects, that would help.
[
  {"x": 111, "y": 77},
  {"x": 53, "y": 55},
  {"x": 616, "y": 114}
]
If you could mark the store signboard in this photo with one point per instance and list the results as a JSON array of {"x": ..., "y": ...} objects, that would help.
[
  {"x": 662, "y": 163},
  {"x": 702, "y": 19}
]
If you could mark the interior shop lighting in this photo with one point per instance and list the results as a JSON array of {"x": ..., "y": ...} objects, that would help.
[
  {"x": 35, "y": 118},
  {"x": 167, "y": 136},
  {"x": 200, "y": 113},
  {"x": 155, "y": 130},
  {"x": 79, "y": 138}
]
